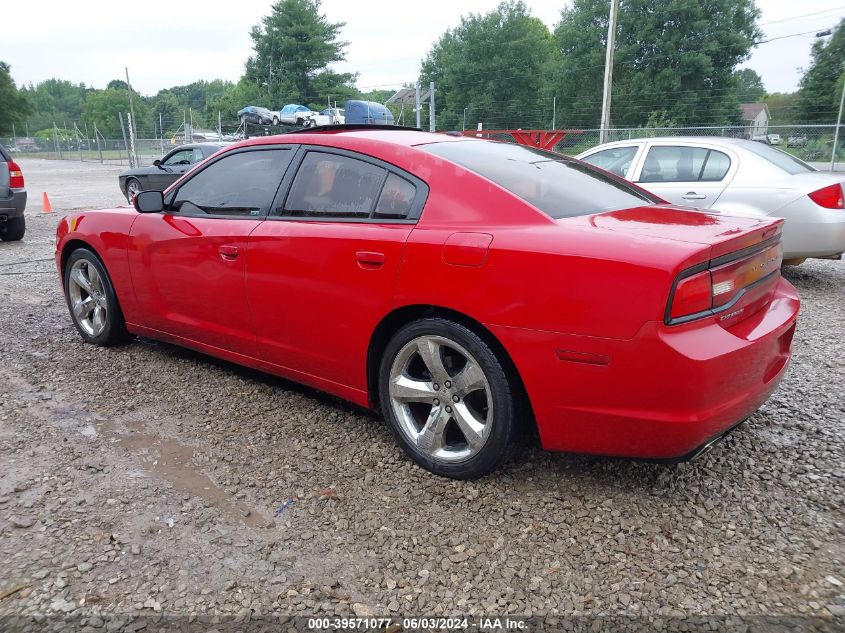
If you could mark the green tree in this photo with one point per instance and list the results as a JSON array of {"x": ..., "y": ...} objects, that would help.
[
  {"x": 672, "y": 57},
  {"x": 818, "y": 99},
  {"x": 102, "y": 107},
  {"x": 233, "y": 98},
  {"x": 14, "y": 105},
  {"x": 292, "y": 48},
  {"x": 495, "y": 65},
  {"x": 781, "y": 107},
  {"x": 749, "y": 86}
]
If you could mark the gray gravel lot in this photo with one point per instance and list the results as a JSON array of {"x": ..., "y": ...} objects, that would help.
[{"x": 147, "y": 480}]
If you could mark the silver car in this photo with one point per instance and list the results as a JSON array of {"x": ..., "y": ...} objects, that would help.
[{"x": 738, "y": 177}]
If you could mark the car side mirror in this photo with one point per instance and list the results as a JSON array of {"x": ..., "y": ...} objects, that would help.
[
  {"x": 156, "y": 163},
  {"x": 149, "y": 202}
]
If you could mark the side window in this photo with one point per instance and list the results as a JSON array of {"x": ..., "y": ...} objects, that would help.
[
  {"x": 616, "y": 160},
  {"x": 716, "y": 166},
  {"x": 197, "y": 156},
  {"x": 182, "y": 157},
  {"x": 673, "y": 164},
  {"x": 396, "y": 199},
  {"x": 330, "y": 185},
  {"x": 241, "y": 184}
]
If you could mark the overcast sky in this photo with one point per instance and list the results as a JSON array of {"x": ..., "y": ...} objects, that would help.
[{"x": 173, "y": 43}]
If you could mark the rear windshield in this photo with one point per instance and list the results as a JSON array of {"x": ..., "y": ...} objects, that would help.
[
  {"x": 786, "y": 162},
  {"x": 560, "y": 187}
]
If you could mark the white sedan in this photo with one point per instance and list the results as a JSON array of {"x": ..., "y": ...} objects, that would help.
[
  {"x": 329, "y": 116},
  {"x": 738, "y": 177}
]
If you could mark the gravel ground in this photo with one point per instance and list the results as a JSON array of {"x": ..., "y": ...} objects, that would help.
[{"x": 146, "y": 485}]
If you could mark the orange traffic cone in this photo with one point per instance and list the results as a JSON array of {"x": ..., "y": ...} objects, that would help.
[{"x": 46, "y": 207}]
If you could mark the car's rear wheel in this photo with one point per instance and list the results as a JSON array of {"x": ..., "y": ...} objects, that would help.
[
  {"x": 133, "y": 188},
  {"x": 275, "y": 120},
  {"x": 447, "y": 398},
  {"x": 92, "y": 301},
  {"x": 12, "y": 230}
]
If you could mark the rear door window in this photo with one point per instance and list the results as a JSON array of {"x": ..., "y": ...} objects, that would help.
[
  {"x": 555, "y": 184},
  {"x": 331, "y": 185},
  {"x": 678, "y": 163}
]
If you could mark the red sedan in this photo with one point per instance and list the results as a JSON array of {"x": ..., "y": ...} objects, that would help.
[{"x": 463, "y": 286}]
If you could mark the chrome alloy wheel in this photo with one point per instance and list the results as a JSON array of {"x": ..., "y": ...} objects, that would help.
[
  {"x": 133, "y": 188},
  {"x": 441, "y": 398},
  {"x": 88, "y": 300}
]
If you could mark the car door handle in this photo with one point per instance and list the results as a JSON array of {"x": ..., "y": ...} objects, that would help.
[
  {"x": 228, "y": 252},
  {"x": 370, "y": 259},
  {"x": 691, "y": 195}
]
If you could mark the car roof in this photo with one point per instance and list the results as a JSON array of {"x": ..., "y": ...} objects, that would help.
[
  {"x": 217, "y": 144},
  {"x": 714, "y": 140},
  {"x": 387, "y": 134}
]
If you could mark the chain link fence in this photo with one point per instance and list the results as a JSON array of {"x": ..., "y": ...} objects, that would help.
[{"x": 812, "y": 143}]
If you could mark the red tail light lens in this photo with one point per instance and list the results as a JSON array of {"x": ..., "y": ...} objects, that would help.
[
  {"x": 713, "y": 290},
  {"x": 15, "y": 176},
  {"x": 830, "y": 197},
  {"x": 692, "y": 295}
]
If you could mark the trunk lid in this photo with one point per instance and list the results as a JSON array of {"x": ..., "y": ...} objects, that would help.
[{"x": 724, "y": 234}]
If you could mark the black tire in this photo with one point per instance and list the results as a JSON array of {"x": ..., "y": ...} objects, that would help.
[
  {"x": 499, "y": 436},
  {"x": 129, "y": 183},
  {"x": 275, "y": 120},
  {"x": 114, "y": 331},
  {"x": 12, "y": 230}
]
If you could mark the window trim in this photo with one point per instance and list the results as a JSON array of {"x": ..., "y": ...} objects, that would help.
[
  {"x": 277, "y": 206},
  {"x": 171, "y": 195}
]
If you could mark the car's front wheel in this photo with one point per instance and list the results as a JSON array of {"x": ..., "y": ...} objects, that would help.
[
  {"x": 92, "y": 301},
  {"x": 447, "y": 398},
  {"x": 13, "y": 229},
  {"x": 133, "y": 188}
]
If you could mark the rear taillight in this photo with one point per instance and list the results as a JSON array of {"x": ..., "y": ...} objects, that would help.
[
  {"x": 692, "y": 295},
  {"x": 830, "y": 197},
  {"x": 720, "y": 286},
  {"x": 15, "y": 176}
]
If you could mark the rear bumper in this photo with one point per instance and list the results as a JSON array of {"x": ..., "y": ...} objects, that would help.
[
  {"x": 14, "y": 205},
  {"x": 811, "y": 231},
  {"x": 663, "y": 393}
]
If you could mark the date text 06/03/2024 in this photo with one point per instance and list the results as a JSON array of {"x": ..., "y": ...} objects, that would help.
[{"x": 485, "y": 624}]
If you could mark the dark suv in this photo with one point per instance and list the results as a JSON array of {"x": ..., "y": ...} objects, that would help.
[{"x": 12, "y": 199}]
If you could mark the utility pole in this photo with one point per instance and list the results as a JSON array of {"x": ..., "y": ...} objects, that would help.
[
  {"x": 131, "y": 119},
  {"x": 417, "y": 105},
  {"x": 125, "y": 143},
  {"x": 608, "y": 72},
  {"x": 97, "y": 138},
  {"x": 836, "y": 134},
  {"x": 554, "y": 110},
  {"x": 431, "y": 109},
  {"x": 464, "y": 126}
]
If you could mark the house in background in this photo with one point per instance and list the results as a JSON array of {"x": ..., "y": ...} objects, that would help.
[{"x": 755, "y": 118}]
